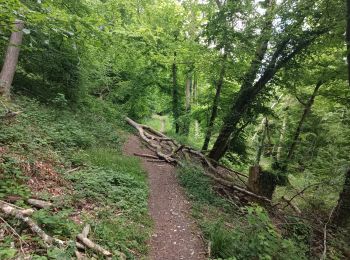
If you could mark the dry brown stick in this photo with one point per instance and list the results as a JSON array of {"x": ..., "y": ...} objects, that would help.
[
  {"x": 11, "y": 211},
  {"x": 146, "y": 155},
  {"x": 87, "y": 242}
]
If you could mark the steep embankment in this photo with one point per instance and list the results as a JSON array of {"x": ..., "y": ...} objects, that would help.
[{"x": 71, "y": 159}]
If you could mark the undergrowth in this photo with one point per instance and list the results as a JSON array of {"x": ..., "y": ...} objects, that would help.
[
  {"x": 234, "y": 235},
  {"x": 72, "y": 157}
]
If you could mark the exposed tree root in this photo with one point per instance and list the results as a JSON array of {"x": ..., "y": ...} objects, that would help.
[{"x": 160, "y": 144}]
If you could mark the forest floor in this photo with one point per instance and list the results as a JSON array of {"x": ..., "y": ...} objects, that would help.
[{"x": 176, "y": 235}]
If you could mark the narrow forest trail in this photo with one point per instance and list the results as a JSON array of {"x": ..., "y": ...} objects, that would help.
[{"x": 175, "y": 235}]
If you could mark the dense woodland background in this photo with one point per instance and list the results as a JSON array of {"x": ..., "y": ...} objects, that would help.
[{"x": 260, "y": 86}]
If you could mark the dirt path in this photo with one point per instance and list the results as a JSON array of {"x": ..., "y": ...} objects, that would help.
[{"x": 175, "y": 234}]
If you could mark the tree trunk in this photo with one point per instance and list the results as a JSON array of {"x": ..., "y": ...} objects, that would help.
[
  {"x": 176, "y": 101},
  {"x": 11, "y": 59},
  {"x": 194, "y": 87},
  {"x": 347, "y": 36},
  {"x": 341, "y": 215},
  {"x": 280, "y": 141},
  {"x": 186, "y": 127},
  {"x": 246, "y": 93},
  {"x": 262, "y": 142},
  {"x": 260, "y": 182},
  {"x": 306, "y": 111},
  {"x": 215, "y": 106}
]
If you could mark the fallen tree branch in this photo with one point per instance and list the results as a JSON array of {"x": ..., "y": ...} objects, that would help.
[
  {"x": 223, "y": 179},
  {"x": 41, "y": 204},
  {"x": 11, "y": 211},
  {"x": 146, "y": 155},
  {"x": 88, "y": 243},
  {"x": 289, "y": 202}
]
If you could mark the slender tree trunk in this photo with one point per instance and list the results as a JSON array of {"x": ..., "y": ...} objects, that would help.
[
  {"x": 347, "y": 36},
  {"x": 306, "y": 111},
  {"x": 262, "y": 142},
  {"x": 194, "y": 87},
  {"x": 11, "y": 59},
  {"x": 176, "y": 100},
  {"x": 188, "y": 91},
  {"x": 214, "y": 110},
  {"x": 280, "y": 141},
  {"x": 341, "y": 215}
]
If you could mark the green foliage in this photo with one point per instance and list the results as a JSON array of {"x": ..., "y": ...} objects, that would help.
[
  {"x": 11, "y": 178},
  {"x": 203, "y": 191},
  {"x": 57, "y": 223},
  {"x": 258, "y": 238},
  {"x": 118, "y": 185}
]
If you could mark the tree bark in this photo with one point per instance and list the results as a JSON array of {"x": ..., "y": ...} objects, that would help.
[
  {"x": 306, "y": 111},
  {"x": 280, "y": 141},
  {"x": 260, "y": 182},
  {"x": 214, "y": 110},
  {"x": 347, "y": 36},
  {"x": 262, "y": 142},
  {"x": 188, "y": 91},
  {"x": 341, "y": 215},
  {"x": 176, "y": 101},
  {"x": 11, "y": 59}
]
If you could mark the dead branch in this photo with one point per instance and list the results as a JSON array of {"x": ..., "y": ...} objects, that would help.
[
  {"x": 88, "y": 243},
  {"x": 324, "y": 254},
  {"x": 223, "y": 179},
  {"x": 146, "y": 155},
  {"x": 293, "y": 206},
  {"x": 11, "y": 211},
  {"x": 41, "y": 204},
  {"x": 156, "y": 160},
  {"x": 23, "y": 211},
  {"x": 86, "y": 230}
]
